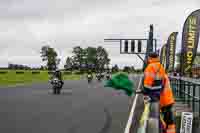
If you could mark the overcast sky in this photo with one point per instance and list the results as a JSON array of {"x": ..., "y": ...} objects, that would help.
[{"x": 27, "y": 25}]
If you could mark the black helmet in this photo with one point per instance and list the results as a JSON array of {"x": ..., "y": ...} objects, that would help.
[{"x": 153, "y": 55}]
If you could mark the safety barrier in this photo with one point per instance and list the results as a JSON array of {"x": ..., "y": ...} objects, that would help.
[
  {"x": 36, "y": 72},
  {"x": 67, "y": 72},
  {"x": 49, "y": 72},
  {"x": 3, "y": 72},
  {"x": 187, "y": 90},
  {"x": 19, "y": 72}
]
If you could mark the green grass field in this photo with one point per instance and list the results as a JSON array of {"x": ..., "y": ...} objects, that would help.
[{"x": 10, "y": 77}]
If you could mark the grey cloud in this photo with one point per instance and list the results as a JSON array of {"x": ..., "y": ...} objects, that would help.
[
  {"x": 29, "y": 24},
  {"x": 164, "y": 2},
  {"x": 43, "y": 9}
]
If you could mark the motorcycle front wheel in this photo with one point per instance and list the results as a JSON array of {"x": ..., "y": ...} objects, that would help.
[{"x": 56, "y": 90}]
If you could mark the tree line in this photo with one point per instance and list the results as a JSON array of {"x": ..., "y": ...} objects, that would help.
[
  {"x": 92, "y": 58},
  {"x": 23, "y": 67},
  {"x": 82, "y": 59}
]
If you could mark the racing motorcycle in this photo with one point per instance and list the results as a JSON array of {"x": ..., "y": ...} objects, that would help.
[
  {"x": 89, "y": 77},
  {"x": 57, "y": 85}
]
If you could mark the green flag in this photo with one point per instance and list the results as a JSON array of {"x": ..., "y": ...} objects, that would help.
[{"x": 120, "y": 81}]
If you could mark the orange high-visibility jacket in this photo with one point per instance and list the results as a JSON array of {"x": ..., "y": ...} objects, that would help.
[
  {"x": 166, "y": 96},
  {"x": 154, "y": 71}
]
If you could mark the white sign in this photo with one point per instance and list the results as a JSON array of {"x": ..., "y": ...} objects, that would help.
[{"x": 186, "y": 122}]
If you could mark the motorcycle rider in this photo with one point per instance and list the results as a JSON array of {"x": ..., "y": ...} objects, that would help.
[
  {"x": 58, "y": 74},
  {"x": 89, "y": 75}
]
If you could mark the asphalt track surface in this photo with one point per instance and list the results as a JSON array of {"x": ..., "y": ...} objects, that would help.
[{"x": 81, "y": 108}]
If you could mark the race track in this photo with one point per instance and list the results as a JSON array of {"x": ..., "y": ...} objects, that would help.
[{"x": 81, "y": 108}]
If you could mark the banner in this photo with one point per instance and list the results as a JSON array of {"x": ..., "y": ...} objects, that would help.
[
  {"x": 171, "y": 49},
  {"x": 163, "y": 56},
  {"x": 190, "y": 40}
]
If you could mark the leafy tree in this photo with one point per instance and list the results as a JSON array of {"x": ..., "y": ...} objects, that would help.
[
  {"x": 101, "y": 58},
  {"x": 115, "y": 68},
  {"x": 132, "y": 69},
  {"x": 16, "y": 66},
  {"x": 89, "y": 58},
  {"x": 68, "y": 64},
  {"x": 78, "y": 56},
  {"x": 10, "y": 66},
  {"x": 126, "y": 69},
  {"x": 50, "y": 55},
  {"x": 42, "y": 67}
]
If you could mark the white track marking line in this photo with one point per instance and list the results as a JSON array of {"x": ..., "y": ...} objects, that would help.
[{"x": 128, "y": 125}]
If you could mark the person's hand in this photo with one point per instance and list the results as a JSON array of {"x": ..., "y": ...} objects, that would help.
[{"x": 138, "y": 91}]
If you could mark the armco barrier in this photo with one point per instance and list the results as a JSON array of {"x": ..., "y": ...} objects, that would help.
[
  {"x": 19, "y": 72},
  {"x": 50, "y": 72},
  {"x": 38, "y": 72},
  {"x": 65, "y": 73}
]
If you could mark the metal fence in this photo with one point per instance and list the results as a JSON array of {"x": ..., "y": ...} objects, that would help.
[{"x": 187, "y": 90}]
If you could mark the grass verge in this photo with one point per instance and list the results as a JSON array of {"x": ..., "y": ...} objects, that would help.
[{"x": 13, "y": 77}]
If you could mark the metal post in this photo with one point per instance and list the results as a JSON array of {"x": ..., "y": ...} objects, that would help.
[
  {"x": 199, "y": 99},
  {"x": 176, "y": 87},
  {"x": 190, "y": 85},
  {"x": 149, "y": 45},
  {"x": 179, "y": 85},
  {"x": 180, "y": 88},
  {"x": 193, "y": 97},
  {"x": 184, "y": 87},
  {"x": 120, "y": 46}
]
